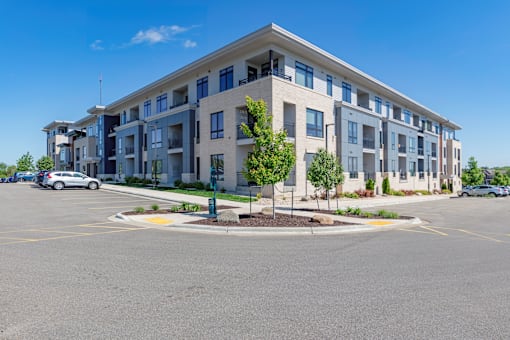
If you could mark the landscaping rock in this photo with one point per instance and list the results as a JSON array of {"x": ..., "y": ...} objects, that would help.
[
  {"x": 228, "y": 216},
  {"x": 267, "y": 211},
  {"x": 323, "y": 219}
]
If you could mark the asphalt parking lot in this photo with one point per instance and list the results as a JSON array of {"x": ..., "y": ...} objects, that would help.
[{"x": 69, "y": 272}]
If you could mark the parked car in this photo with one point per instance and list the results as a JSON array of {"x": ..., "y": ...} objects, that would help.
[
  {"x": 482, "y": 190},
  {"x": 40, "y": 177},
  {"x": 23, "y": 176},
  {"x": 59, "y": 180},
  {"x": 505, "y": 190}
]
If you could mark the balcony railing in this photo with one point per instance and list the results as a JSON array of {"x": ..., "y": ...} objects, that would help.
[
  {"x": 434, "y": 175},
  {"x": 353, "y": 174},
  {"x": 290, "y": 128},
  {"x": 369, "y": 175},
  {"x": 421, "y": 175},
  {"x": 240, "y": 133},
  {"x": 434, "y": 154},
  {"x": 402, "y": 149},
  {"x": 262, "y": 75},
  {"x": 420, "y": 152},
  {"x": 112, "y": 153},
  {"x": 175, "y": 143},
  {"x": 130, "y": 150},
  {"x": 291, "y": 181},
  {"x": 178, "y": 104},
  {"x": 369, "y": 143},
  {"x": 403, "y": 176}
]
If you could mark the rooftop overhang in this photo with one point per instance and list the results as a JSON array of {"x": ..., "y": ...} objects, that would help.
[{"x": 57, "y": 123}]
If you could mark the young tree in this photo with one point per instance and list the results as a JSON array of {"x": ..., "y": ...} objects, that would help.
[
  {"x": 500, "y": 179},
  {"x": 386, "y": 186},
  {"x": 25, "y": 163},
  {"x": 45, "y": 163},
  {"x": 325, "y": 173},
  {"x": 472, "y": 175},
  {"x": 273, "y": 157},
  {"x": 3, "y": 169}
]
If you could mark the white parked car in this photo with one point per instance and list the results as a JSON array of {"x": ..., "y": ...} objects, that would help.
[{"x": 59, "y": 180}]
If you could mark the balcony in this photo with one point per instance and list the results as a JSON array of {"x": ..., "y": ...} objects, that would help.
[
  {"x": 368, "y": 143},
  {"x": 291, "y": 180},
  {"x": 402, "y": 149},
  {"x": 353, "y": 174},
  {"x": 434, "y": 154},
  {"x": 421, "y": 175},
  {"x": 403, "y": 176},
  {"x": 112, "y": 153},
  {"x": 240, "y": 133},
  {"x": 262, "y": 75},
  {"x": 290, "y": 128},
  {"x": 175, "y": 143},
  {"x": 178, "y": 104},
  {"x": 130, "y": 150},
  {"x": 420, "y": 152}
]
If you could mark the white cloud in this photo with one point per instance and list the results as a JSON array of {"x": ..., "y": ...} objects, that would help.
[
  {"x": 96, "y": 45},
  {"x": 190, "y": 44},
  {"x": 155, "y": 35}
]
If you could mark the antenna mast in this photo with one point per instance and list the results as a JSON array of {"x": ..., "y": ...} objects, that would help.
[{"x": 100, "y": 89}]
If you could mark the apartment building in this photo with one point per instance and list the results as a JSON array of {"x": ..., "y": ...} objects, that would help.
[
  {"x": 181, "y": 125},
  {"x": 57, "y": 143}
]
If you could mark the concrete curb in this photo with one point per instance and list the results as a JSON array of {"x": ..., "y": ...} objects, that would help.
[{"x": 273, "y": 231}]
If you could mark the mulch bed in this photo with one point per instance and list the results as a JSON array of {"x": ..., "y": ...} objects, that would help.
[{"x": 259, "y": 220}]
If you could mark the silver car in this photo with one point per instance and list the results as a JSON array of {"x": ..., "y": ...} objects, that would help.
[
  {"x": 482, "y": 190},
  {"x": 59, "y": 180}
]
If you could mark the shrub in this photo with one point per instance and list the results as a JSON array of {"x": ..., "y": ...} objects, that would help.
[
  {"x": 350, "y": 195},
  {"x": 423, "y": 192},
  {"x": 354, "y": 211},
  {"x": 386, "y": 186},
  {"x": 396, "y": 193},
  {"x": 444, "y": 186},
  {"x": 147, "y": 181},
  {"x": 155, "y": 207},
  {"x": 139, "y": 209},
  {"x": 177, "y": 183},
  {"x": 370, "y": 185},
  {"x": 366, "y": 214},
  {"x": 195, "y": 207},
  {"x": 175, "y": 208},
  {"x": 199, "y": 185},
  {"x": 446, "y": 191},
  {"x": 340, "y": 212},
  {"x": 387, "y": 214}
]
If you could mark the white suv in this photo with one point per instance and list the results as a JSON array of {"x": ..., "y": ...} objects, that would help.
[{"x": 59, "y": 180}]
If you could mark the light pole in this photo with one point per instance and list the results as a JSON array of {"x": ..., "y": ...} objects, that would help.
[{"x": 428, "y": 172}]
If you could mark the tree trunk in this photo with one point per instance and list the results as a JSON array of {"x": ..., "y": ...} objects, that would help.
[{"x": 274, "y": 214}]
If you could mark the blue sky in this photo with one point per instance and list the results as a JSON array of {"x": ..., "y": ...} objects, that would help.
[{"x": 451, "y": 56}]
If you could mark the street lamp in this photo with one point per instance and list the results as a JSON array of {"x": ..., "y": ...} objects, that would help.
[{"x": 428, "y": 172}]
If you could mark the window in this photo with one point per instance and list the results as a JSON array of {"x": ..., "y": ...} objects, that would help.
[
  {"x": 161, "y": 103},
  {"x": 412, "y": 168},
  {"x": 388, "y": 107},
  {"x": 156, "y": 138},
  {"x": 84, "y": 152},
  {"x": 120, "y": 145},
  {"x": 197, "y": 132},
  {"x": 412, "y": 144},
  {"x": 90, "y": 131},
  {"x": 393, "y": 167},
  {"x": 314, "y": 123},
  {"x": 407, "y": 116},
  {"x": 217, "y": 125},
  {"x": 304, "y": 75},
  {"x": 227, "y": 78},
  {"x": 198, "y": 168},
  {"x": 352, "y": 167},
  {"x": 378, "y": 105},
  {"x": 62, "y": 155},
  {"x": 123, "y": 118},
  {"x": 353, "y": 133},
  {"x": 202, "y": 87},
  {"x": 218, "y": 166},
  {"x": 393, "y": 141},
  {"x": 329, "y": 80},
  {"x": 147, "y": 108},
  {"x": 346, "y": 92}
]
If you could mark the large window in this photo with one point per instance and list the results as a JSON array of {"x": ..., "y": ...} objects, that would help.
[
  {"x": 202, "y": 88},
  {"x": 227, "y": 78},
  {"x": 161, "y": 103},
  {"x": 393, "y": 141},
  {"x": 304, "y": 75},
  {"x": 346, "y": 92},
  {"x": 147, "y": 108},
  {"x": 329, "y": 81},
  {"x": 314, "y": 123},
  {"x": 123, "y": 118},
  {"x": 217, "y": 125},
  {"x": 352, "y": 132},
  {"x": 407, "y": 116},
  {"x": 378, "y": 105},
  {"x": 217, "y": 163},
  {"x": 412, "y": 144},
  {"x": 352, "y": 166},
  {"x": 156, "y": 140},
  {"x": 412, "y": 168},
  {"x": 120, "y": 145}
]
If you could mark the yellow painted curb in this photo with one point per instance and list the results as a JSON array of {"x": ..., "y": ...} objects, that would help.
[
  {"x": 158, "y": 220},
  {"x": 379, "y": 223}
]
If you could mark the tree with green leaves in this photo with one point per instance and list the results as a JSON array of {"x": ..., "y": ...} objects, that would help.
[
  {"x": 500, "y": 179},
  {"x": 3, "y": 169},
  {"x": 273, "y": 157},
  {"x": 386, "y": 186},
  {"x": 472, "y": 175},
  {"x": 45, "y": 163},
  {"x": 25, "y": 162},
  {"x": 325, "y": 173}
]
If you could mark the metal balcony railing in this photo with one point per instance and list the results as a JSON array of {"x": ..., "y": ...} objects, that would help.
[
  {"x": 420, "y": 152},
  {"x": 130, "y": 150},
  {"x": 175, "y": 143},
  {"x": 240, "y": 133},
  {"x": 262, "y": 75},
  {"x": 369, "y": 143},
  {"x": 290, "y": 128},
  {"x": 402, "y": 149},
  {"x": 353, "y": 174}
]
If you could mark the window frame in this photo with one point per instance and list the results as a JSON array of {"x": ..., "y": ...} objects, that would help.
[
  {"x": 329, "y": 85},
  {"x": 314, "y": 130},
  {"x": 352, "y": 132},
  {"x": 162, "y": 103},
  {"x": 226, "y": 78},
  {"x": 346, "y": 92},
  {"x": 202, "y": 87},
  {"x": 217, "y": 131},
  {"x": 147, "y": 108},
  {"x": 307, "y": 73}
]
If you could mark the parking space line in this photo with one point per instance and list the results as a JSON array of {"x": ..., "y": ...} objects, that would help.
[
  {"x": 58, "y": 231},
  {"x": 116, "y": 207},
  {"x": 412, "y": 230},
  {"x": 20, "y": 239},
  {"x": 102, "y": 202},
  {"x": 480, "y": 235},
  {"x": 433, "y": 230}
]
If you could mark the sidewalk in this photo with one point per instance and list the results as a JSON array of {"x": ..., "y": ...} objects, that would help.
[{"x": 179, "y": 221}]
